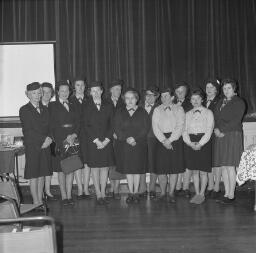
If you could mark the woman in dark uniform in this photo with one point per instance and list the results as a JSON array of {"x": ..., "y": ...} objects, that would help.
[
  {"x": 82, "y": 175},
  {"x": 97, "y": 121},
  {"x": 47, "y": 94},
  {"x": 149, "y": 104},
  {"x": 168, "y": 122},
  {"x": 228, "y": 146},
  {"x": 65, "y": 127},
  {"x": 198, "y": 149},
  {"x": 116, "y": 101},
  {"x": 212, "y": 98},
  {"x": 131, "y": 127},
  {"x": 36, "y": 130},
  {"x": 182, "y": 93}
]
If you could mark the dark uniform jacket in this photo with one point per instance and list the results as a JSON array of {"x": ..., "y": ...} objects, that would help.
[
  {"x": 98, "y": 123},
  {"x": 229, "y": 118},
  {"x": 35, "y": 128},
  {"x": 63, "y": 122}
]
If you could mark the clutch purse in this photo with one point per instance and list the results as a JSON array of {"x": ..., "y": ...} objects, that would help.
[{"x": 70, "y": 160}]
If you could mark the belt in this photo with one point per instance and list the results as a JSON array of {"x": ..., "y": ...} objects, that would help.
[{"x": 67, "y": 125}]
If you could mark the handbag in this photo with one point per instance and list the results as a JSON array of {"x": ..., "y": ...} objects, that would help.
[{"x": 70, "y": 160}]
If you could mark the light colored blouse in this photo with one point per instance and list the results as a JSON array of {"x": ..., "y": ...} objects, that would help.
[
  {"x": 168, "y": 119},
  {"x": 199, "y": 120}
]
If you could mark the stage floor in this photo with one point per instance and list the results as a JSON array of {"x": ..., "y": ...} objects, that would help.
[{"x": 152, "y": 226}]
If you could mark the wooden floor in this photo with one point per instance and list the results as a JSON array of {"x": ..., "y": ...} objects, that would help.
[{"x": 156, "y": 227}]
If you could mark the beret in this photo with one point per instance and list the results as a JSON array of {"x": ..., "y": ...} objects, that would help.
[
  {"x": 116, "y": 83},
  {"x": 48, "y": 85},
  {"x": 95, "y": 84},
  {"x": 33, "y": 86}
]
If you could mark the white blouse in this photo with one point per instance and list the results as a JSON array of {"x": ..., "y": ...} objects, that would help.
[
  {"x": 199, "y": 120},
  {"x": 168, "y": 119}
]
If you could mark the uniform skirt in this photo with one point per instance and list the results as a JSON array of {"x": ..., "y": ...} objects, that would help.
[
  {"x": 113, "y": 173},
  {"x": 198, "y": 159},
  {"x": 99, "y": 158},
  {"x": 169, "y": 161},
  {"x": 152, "y": 144},
  {"x": 228, "y": 149},
  {"x": 131, "y": 159},
  {"x": 38, "y": 162}
]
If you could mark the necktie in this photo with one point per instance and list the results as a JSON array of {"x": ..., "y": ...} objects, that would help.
[
  {"x": 208, "y": 102},
  {"x": 65, "y": 103},
  {"x": 80, "y": 100},
  {"x": 38, "y": 109},
  {"x": 225, "y": 101},
  {"x": 167, "y": 108}
]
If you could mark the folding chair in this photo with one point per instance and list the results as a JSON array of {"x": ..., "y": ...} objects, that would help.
[
  {"x": 29, "y": 239},
  {"x": 9, "y": 189}
]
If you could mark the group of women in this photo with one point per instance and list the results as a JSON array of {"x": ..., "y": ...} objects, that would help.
[{"x": 174, "y": 135}]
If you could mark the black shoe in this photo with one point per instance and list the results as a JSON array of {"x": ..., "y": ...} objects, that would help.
[
  {"x": 187, "y": 194},
  {"x": 136, "y": 198},
  {"x": 161, "y": 198},
  {"x": 171, "y": 199},
  {"x": 143, "y": 194},
  {"x": 129, "y": 199},
  {"x": 117, "y": 196},
  {"x": 87, "y": 196},
  {"x": 179, "y": 192},
  {"x": 71, "y": 202},
  {"x": 65, "y": 202},
  {"x": 110, "y": 195},
  {"x": 80, "y": 197},
  {"x": 42, "y": 208},
  {"x": 221, "y": 199},
  {"x": 152, "y": 194},
  {"x": 228, "y": 201},
  {"x": 215, "y": 195},
  {"x": 50, "y": 198},
  {"x": 101, "y": 202},
  {"x": 208, "y": 193}
]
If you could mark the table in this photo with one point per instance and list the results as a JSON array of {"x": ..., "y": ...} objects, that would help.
[
  {"x": 247, "y": 168},
  {"x": 8, "y": 160}
]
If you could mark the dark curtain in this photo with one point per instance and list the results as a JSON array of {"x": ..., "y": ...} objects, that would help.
[{"x": 144, "y": 42}]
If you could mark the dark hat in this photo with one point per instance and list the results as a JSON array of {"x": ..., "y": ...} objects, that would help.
[
  {"x": 95, "y": 84},
  {"x": 117, "y": 82},
  {"x": 33, "y": 86},
  {"x": 153, "y": 89},
  {"x": 48, "y": 85}
]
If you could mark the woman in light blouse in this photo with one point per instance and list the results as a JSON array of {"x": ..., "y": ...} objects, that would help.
[
  {"x": 198, "y": 152},
  {"x": 168, "y": 122}
]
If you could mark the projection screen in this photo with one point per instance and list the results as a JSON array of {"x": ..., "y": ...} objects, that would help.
[{"x": 21, "y": 64}]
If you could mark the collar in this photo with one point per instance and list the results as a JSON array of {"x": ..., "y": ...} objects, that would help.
[
  {"x": 62, "y": 101},
  {"x": 35, "y": 106},
  {"x": 79, "y": 97}
]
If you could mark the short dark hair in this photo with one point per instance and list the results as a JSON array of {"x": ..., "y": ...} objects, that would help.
[
  {"x": 231, "y": 81},
  {"x": 198, "y": 92},
  {"x": 134, "y": 92},
  {"x": 182, "y": 84}
]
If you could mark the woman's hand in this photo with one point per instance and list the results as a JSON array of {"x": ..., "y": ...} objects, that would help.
[
  {"x": 131, "y": 141},
  {"x": 71, "y": 138},
  {"x": 47, "y": 142}
]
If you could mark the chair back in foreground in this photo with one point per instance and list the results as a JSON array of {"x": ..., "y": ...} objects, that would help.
[{"x": 31, "y": 239}]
